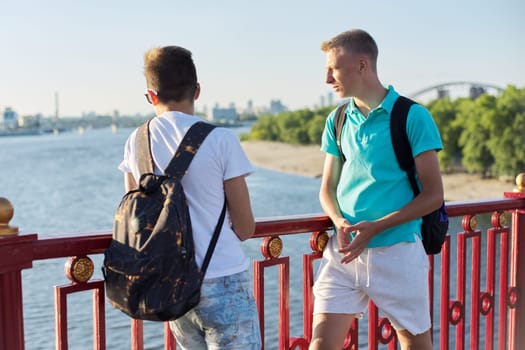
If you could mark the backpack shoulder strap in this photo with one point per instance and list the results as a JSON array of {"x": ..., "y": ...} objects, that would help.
[
  {"x": 398, "y": 134},
  {"x": 339, "y": 121},
  {"x": 143, "y": 149},
  {"x": 214, "y": 239},
  {"x": 187, "y": 149}
]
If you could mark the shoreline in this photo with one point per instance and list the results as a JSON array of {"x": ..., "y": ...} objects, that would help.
[{"x": 308, "y": 161}]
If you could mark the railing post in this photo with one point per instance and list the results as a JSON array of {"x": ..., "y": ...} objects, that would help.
[
  {"x": 516, "y": 295},
  {"x": 16, "y": 254}
]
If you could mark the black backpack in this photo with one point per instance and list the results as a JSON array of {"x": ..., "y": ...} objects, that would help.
[
  {"x": 435, "y": 225},
  {"x": 149, "y": 267}
]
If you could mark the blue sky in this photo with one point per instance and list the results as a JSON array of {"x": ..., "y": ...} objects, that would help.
[{"x": 91, "y": 51}]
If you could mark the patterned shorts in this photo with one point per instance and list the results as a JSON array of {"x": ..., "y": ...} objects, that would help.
[{"x": 225, "y": 318}]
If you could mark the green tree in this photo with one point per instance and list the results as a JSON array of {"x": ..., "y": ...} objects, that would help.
[
  {"x": 316, "y": 127},
  {"x": 473, "y": 116},
  {"x": 264, "y": 129},
  {"x": 444, "y": 113},
  {"x": 507, "y": 132},
  {"x": 293, "y": 126},
  {"x": 303, "y": 126}
]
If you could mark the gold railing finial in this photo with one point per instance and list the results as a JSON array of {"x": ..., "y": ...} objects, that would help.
[
  {"x": 520, "y": 183},
  {"x": 6, "y": 214}
]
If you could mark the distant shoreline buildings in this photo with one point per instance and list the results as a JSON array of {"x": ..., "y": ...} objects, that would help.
[{"x": 11, "y": 122}]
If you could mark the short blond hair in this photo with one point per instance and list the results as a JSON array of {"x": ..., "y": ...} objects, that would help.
[{"x": 355, "y": 41}]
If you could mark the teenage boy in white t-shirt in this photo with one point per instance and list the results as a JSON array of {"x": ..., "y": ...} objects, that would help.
[{"x": 226, "y": 317}]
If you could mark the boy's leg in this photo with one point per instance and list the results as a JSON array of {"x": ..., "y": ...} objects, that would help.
[
  {"x": 188, "y": 332},
  {"x": 330, "y": 330},
  {"x": 399, "y": 288},
  {"x": 338, "y": 299},
  {"x": 421, "y": 341},
  {"x": 225, "y": 318},
  {"x": 229, "y": 313}
]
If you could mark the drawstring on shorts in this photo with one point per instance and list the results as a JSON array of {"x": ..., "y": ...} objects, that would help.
[{"x": 360, "y": 260}]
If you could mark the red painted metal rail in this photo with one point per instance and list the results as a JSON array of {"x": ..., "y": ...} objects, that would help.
[{"x": 463, "y": 306}]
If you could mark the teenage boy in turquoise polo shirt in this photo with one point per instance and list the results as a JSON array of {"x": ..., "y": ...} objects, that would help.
[{"x": 376, "y": 251}]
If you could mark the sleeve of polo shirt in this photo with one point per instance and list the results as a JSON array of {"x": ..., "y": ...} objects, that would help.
[
  {"x": 422, "y": 131},
  {"x": 328, "y": 142}
]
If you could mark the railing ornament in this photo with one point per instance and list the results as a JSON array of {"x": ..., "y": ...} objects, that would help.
[
  {"x": 79, "y": 269},
  {"x": 469, "y": 223},
  {"x": 456, "y": 312},
  {"x": 6, "y": 214},
  {"x": 318, "y": 241},
  {"x": 519, "y": 191},
  {"x": 520, "y": 183},
  {"x": 271, "y": 247},
  {"x": 498, "y": 219},
  {"x": 513, "y": 297},
  {"x": 486, "y": 303},
  {"x": 386, "y": 331}
]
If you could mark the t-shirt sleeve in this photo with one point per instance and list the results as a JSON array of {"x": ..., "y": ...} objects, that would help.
[
  {"x": 235, "y": 162},
  {"x": 124, "y": 164},
  {"x": 422, "y": 131},
  {"x": 129, "y": 154},
  {"x": 328, "y": 141}
]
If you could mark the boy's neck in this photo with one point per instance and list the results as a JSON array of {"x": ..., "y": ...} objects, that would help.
[
  {"x": 371, "y": 99},
  {"x": 186, "y": 107}
]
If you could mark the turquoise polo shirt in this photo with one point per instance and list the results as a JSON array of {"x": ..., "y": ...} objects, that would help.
[{"x": 372, "y": 184}]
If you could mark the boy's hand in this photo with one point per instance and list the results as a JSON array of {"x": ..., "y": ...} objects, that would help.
[
  {"x": 364, "y": 230},
  {"x": 342, "y": 232}
]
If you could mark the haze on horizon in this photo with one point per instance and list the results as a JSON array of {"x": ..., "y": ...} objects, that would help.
[{"x": 91, "y": 53}]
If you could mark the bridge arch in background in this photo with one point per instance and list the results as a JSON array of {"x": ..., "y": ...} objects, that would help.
[{"x": 455, "y": 89}]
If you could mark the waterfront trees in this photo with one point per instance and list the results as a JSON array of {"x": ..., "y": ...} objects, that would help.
[
  {"x": 472, "y": 117},
  {"x": 444, "y": 113},
  {"x": 298, "y": 127}
]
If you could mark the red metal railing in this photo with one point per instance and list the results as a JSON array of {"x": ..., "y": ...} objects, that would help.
[{"x": 497, "y": 302}]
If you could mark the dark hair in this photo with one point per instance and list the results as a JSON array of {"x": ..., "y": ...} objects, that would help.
[
  {"x": 170, "y": 71},
  {"x": 353, "y": 41}
]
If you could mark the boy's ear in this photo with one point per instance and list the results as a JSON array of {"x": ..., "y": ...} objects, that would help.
[
  {"x": 197, "y": 91},
  {"x": 362, "y": 65}
]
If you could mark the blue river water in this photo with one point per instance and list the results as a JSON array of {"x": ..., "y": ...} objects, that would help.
[{"x": 70, "y": 184}]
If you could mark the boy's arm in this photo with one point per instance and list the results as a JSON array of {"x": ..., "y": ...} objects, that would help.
[
  {"x": 239, "y": 207},
  {"x": 129, "y": 182},
  {"x": 328, "y": 197}
]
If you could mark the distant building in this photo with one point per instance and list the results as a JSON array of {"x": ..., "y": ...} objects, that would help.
[
  {"x": 276, "y": 107},
  {"x": 9, "y": 119},
  {"x": 326, "y": 100},
  {"x": 249, "y": 107},
  {"x": 224, "y": 114},
  {"x": 322, "y": 101},
  {"x": 330, "y": 98},
  {"x": 30, "y": 121}
]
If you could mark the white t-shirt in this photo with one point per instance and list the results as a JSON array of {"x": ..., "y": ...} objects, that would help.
[{"x": 219, "y": 158}]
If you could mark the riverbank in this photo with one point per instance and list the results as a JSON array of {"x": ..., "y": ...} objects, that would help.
[{"x": 308, "y": 161}]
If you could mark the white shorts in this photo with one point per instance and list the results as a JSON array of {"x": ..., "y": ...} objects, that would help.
[{"x": 394, "y": 277}]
